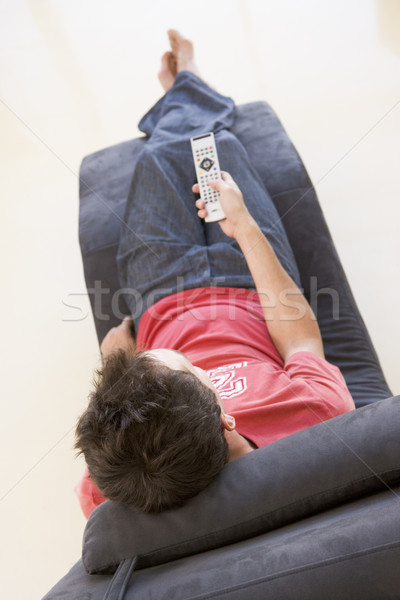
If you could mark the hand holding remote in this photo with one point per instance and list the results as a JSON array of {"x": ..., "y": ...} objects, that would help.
[{"x": 232, "y": 203}]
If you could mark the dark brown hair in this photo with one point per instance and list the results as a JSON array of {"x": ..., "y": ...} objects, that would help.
[{"x": 151, "y": 435}]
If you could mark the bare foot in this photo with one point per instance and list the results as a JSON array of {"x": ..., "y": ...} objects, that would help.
[
  {"x": 182, "y": 50},
  {"x": 168, "y": 70}
]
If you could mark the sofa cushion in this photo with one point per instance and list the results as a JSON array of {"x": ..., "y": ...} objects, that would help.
[{"x": 313, "y": 470}]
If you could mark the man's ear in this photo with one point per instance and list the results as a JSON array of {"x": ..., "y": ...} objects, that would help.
[{"x": 228, "y": 422}]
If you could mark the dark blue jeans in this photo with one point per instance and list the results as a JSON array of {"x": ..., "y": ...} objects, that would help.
[{"x": 164, "y": 246}]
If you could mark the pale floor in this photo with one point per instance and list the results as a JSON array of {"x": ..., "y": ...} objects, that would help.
[{"x": 76, "y": 77}]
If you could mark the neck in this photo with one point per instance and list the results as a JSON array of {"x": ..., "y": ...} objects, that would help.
[{"x": 237, "y": 445}]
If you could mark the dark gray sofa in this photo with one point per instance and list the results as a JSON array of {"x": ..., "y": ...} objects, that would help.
[{"x": 313, "y": 516}]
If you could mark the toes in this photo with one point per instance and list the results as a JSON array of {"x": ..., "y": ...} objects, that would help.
[
  {"x": 174, "y": 35},
  {"x": 182, "y": 52},
  {"x": 175, "y": 39}
]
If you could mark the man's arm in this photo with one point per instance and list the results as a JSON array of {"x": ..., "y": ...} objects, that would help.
[{"x": 291, "y": 322}]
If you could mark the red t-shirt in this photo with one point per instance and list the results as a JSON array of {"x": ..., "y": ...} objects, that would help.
[{"x": 222, "y": 330}]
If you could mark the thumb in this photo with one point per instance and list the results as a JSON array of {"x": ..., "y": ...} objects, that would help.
[{"x": 216, "y": 184}]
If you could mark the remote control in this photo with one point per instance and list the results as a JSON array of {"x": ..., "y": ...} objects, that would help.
[{"x": 207, "y": 167}]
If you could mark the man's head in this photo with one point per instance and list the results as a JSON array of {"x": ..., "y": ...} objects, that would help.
[{"x": 153, "y": 432}]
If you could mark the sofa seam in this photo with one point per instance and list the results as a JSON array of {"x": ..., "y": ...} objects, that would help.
[
  {"x": 308, "y": 567},
  {"x": 290, "y": 190}
]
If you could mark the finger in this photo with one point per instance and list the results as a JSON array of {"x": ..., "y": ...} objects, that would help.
[
  {"x": 195, "y": 188},
  {"x": 127, "y": 323},
  {"x": 202, "y": 213},
  {"x": 200, "y": 203}
]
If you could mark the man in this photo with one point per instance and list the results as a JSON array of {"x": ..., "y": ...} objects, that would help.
[{"x": 228, "y": 355}]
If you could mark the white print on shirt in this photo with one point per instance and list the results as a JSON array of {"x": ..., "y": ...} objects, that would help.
[{"x": 225, "y": 380}]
